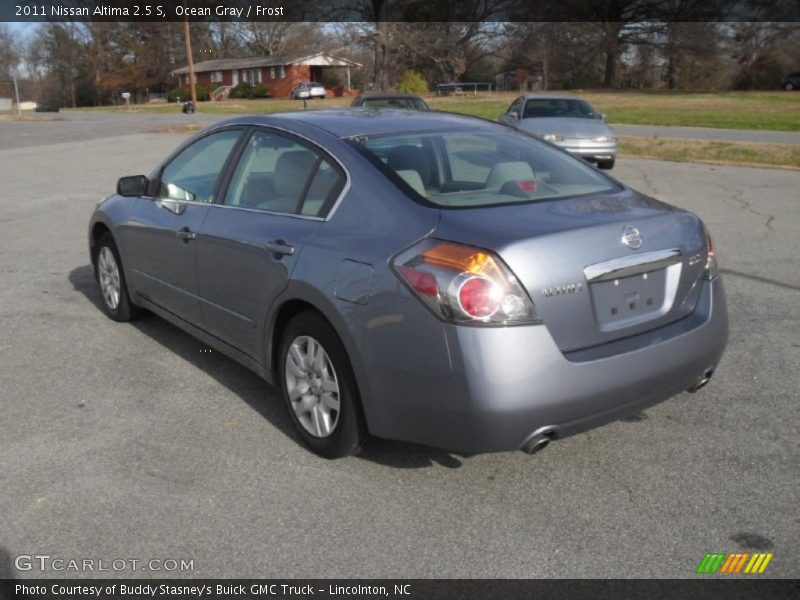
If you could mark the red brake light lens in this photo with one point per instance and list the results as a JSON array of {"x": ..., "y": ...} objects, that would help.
[
  {"x": 712, "y": 267},
  {"x": 478, "y": 297},
  {"x": 423, "y": 282}
]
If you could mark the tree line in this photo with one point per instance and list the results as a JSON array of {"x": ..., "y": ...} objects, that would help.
[{"x": 79, "y": 64}]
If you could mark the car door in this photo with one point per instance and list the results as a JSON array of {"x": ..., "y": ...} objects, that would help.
[
  {"x": 276, "y": 198},
  {"x": 160, "y": 239}
]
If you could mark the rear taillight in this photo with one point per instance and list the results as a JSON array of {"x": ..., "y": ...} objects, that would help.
[
  {"x": 712, "y": 268},
  {"x": 462, "y": 284}
]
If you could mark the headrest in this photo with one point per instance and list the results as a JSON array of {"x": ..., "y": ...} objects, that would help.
[
  {"x": 410, "y": 158},
  {"x": 292, "y": 171}
]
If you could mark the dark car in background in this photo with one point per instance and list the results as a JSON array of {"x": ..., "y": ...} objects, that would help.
[
  {"x": 791, "y": 82},
  {"x": 389, "y": 100},
  {"x": 419, "y": 276}
]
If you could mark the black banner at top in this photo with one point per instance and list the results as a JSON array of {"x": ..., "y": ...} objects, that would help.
[{"x": 401, "y": 10}]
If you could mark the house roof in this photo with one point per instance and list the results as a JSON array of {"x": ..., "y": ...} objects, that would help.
[{"x": 273, "y": 60}]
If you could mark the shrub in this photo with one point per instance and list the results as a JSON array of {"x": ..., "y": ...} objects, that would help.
[
  {"x": 242, "y": 90},
  {"x": 260, "y": 91},
  {"x": 411, "y": 82},
  {"x": 202, "y": 92},
  {"x": 179, "y": 92},
  {"x": 184, "y": 93}
]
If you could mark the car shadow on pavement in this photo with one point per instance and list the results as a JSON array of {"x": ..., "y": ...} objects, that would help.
[
  {"x": 259, "y": 395},
  {"x": 242, "y": 382},
  {"x": 6, "y": 571}
]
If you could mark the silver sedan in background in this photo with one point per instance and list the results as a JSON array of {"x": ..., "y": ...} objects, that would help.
[
  {"x": 417, "y": 276},
  {"x": 568, "y": 122}
]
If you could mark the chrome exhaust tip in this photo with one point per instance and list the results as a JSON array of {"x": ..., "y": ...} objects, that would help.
[
  {"x": 701, "y": 382},
  {"x": 539, "y": 439}
]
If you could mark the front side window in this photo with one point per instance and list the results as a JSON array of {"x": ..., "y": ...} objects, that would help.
[
  {"x": 192, "y": 175},
  {"x": 461, "y": 169},
  {"x": 279, "y": 174},
  {"x": 515, "y": 106}
]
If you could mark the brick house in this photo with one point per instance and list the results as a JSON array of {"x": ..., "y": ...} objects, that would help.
[{"x": 279, "y": 72}]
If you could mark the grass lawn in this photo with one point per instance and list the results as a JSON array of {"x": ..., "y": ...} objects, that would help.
[
  {"x": 777, "y": 111},
  {"x": 701, "y": 151}
]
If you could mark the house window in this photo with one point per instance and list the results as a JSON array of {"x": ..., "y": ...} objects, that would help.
[
  {"x": 216, "y": 77},
  {"x": 252, "y": 76},
  {"x": 277, "y": 73}
]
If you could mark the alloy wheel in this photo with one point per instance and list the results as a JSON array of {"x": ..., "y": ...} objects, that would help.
[
  {"x": 108, "y": 275},
  {"x": 312, "y": 386}
]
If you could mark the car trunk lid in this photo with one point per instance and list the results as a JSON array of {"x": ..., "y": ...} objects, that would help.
[{"x": 590, "y": 287}]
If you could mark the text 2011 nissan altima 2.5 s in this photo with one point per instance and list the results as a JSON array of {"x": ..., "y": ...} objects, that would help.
[{"x": 417, "y": 276}]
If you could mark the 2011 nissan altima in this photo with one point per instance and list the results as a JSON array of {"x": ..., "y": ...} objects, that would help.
[{"x": 418, "y": 276}]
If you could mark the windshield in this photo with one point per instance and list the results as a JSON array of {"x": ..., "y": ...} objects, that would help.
[
  {"x": 558, "y": 107},
  {"x": 404, "y": 103},
  {"x": 459, "y": 169}
]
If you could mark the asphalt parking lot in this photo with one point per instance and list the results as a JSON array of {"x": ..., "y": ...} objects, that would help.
[{"x": 129, "y": 441}]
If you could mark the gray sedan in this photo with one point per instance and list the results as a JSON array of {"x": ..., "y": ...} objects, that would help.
[
  {"x": 417, "y": 276},
  {"x": 565, "y": 121}
]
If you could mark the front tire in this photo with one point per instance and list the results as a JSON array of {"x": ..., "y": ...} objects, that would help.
[
  {"x": 319, "y": 388},
  {"x": 606, "y": 165},
  {"x": 111, "y": 279},
  {"x": 789, "y": 86}
]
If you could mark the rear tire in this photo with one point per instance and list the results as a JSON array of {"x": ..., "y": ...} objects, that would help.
[
  {"x": 111, "y": 279},
  {"x": 319, "y": 388},
  {"x": 789, "y": 86},
  {"x": 606, "y": 165}
]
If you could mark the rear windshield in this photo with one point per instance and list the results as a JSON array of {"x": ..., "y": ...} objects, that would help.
[
  {"x": 403, "y": 103},
  {"x": 460, "y": 169},
  {"x": 559, "y": 107}
]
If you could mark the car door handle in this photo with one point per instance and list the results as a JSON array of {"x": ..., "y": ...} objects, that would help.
[
  {"x": 185, "y": 234},
  {"x": 279, "y": 247}
]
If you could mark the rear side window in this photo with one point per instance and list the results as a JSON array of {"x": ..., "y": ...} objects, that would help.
[
  {"x": 192, "y": 175},
  {"x": 279, "y": 174},
  {"x": 461, "y": 169}
]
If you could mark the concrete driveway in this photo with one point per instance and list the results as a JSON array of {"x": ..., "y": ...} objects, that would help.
[{"x": 131, "y": 441}]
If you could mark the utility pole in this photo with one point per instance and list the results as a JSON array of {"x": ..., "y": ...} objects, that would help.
[
  {"x": 188, "y": 42},
  {"x": 16, "y": 92}
]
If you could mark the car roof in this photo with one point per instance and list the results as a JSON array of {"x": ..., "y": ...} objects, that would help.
[{"x": 349, "y": 122}]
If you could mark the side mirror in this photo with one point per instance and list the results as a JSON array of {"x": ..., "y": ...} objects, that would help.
[{"x": 134, "y": 185}]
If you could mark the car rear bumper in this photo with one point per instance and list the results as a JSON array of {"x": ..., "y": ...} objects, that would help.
[{"x": 506, "y": 383}]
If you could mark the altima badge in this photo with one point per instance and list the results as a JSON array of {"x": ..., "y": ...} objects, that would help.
[
  {"x": 558, "y": 290},
  {"x": 631, "y": 237}
]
